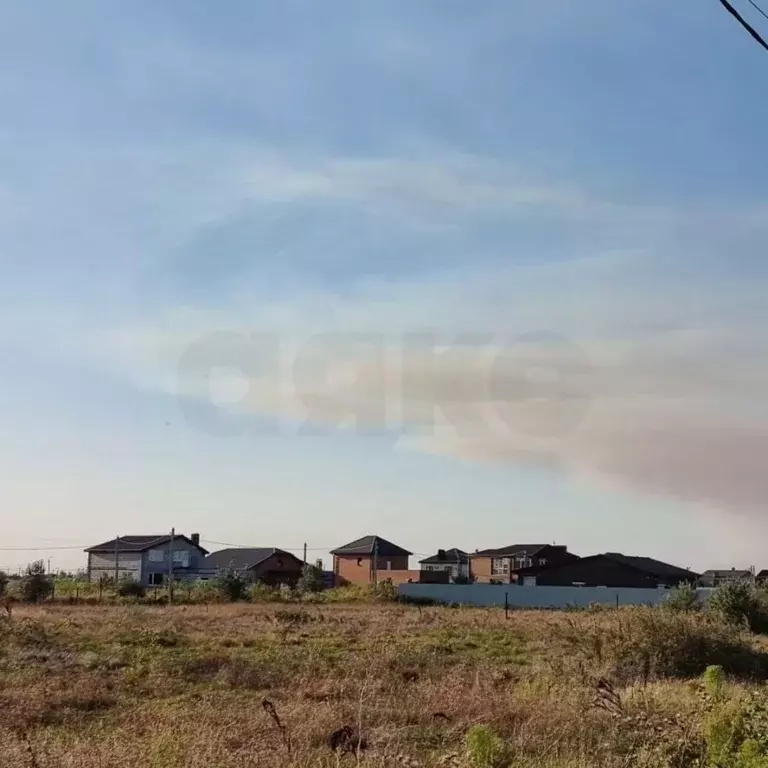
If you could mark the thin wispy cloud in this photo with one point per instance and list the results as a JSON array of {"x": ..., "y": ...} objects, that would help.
[{"x": 557, "y": 186}]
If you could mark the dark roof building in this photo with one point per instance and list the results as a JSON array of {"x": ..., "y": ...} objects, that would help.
[
  {"x": 266, "y": 564},
  {"x": 513, "y": 549},
  {"x": 611, "y": 569},
  {"x": 368, "y": 545},
  {"x": 241, "y": 559},
  {"x": 452, "y": 556},
  {"x": 143, "y": 543},
  {"x": 503, "y": 563}
]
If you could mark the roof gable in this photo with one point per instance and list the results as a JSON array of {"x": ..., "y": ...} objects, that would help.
[
  {"x": 514, "y": 549},
  {"x": 366, "y": 546},
  {"x": 243, "y": 558},
  {"x": 651, "y": 565},
  {"x": 140, "y": 543},
  {"x": 453, "y": 555}
]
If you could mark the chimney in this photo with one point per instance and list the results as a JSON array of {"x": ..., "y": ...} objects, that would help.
[{"x": 195, "y": 539}]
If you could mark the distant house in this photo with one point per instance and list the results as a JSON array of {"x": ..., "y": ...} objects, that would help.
[
  {"x": 370, "y": 558},
  {"x": 266, "y": 564},
  {"x": 501, "y": 565},
  {"x": 715, "y": 578},
  {"x": 453, "y": 561},
  {"x": 611, "y": 569},
  {"x": 146, "y": 559}
]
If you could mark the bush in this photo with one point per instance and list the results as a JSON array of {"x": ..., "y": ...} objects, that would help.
[
  {"x": 262, "y": 593},
  {"x": 232, "y": 586},
  {"x": 735, "y": 731},
  {"x": 206, "y": 592},
  {"x": 642, "y": 643},
  {"x": 740, "y": 604},
  {"x": 484, "y": 747},
  {"x": 35, "y": 584},
  {"x": 3, "y": 582},
  {"x": 311, "y": 579},
  {"x": 681, "y": 598},
  {"x": 131, "y": 588}
]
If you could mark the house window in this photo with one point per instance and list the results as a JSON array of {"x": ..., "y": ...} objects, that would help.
[
  {"x": 500, "y": 566},
  {"x": 523, "y": 562},
  {"x": 156, "y": 555},
  {"x": 389, "y": 565},
  {"x": 156, "y": 579},
  {"x": 542, "y": 561},
  {"x": 181, "y": 558}
]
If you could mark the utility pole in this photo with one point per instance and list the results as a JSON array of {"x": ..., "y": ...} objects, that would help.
[
  {"x": 375, "y": 579},
  {"x": 117, "y": 557},
  {"x": 170, "y": 567},
  {"x": 305, "y": 553}
]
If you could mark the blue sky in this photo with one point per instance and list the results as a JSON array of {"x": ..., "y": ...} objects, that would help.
[{"x": 497, "y": 176}]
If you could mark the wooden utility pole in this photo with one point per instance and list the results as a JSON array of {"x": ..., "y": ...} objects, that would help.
[
  {"x": 305, "y": 553},
  {"x": 117, "y": 557},
  {"x": 170, "y": 567},
  {"x": 375, "y": 574}
]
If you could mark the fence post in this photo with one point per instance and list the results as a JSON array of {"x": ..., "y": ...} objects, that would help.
[
  {"x": 101, "y": 586},
  {"x": 506, "y": 605}
]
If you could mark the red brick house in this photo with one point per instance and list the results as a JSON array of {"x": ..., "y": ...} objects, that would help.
[
  {"x": 358, "y": 561},
  {"x": 501, "y": 565}
]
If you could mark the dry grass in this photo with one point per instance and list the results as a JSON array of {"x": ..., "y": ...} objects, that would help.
[{"x": 388, "y": 685}]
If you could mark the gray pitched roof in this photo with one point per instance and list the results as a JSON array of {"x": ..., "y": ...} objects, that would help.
[
  {"x": 241, "y": 558},
  {"x": 365, "y": 546},
  {"x": 139, "y": 543},
  {"x": 450, "y": 556},
  {"x": 650, "y": 565},
  {"x": 513, "y": 549}
]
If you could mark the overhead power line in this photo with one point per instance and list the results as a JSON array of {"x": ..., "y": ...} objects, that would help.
[
  {"x": 41, "y": 549},
  {"x": 758, "y": 8},
  {"x": 736, "y": 15},
  {"x": 250, "y": 546}
]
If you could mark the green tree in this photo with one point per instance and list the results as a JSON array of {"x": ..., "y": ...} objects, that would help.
[
  {"x": 35, "y": 584},
  {"x": 311, "y": 579},
  {"x": 740, "y": 603},
  {"x": 681, "y": 598},
  {"x": 232, "y": 585}
]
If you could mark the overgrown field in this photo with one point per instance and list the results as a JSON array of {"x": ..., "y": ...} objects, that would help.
[{"x": 228, "y": 686}]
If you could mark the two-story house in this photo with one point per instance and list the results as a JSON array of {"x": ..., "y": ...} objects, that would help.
[
  {"x": 454, "y": 562},
  {"x": 146, "y": 559},
  {"x": 368, "y": 560},
  {"x": 501, "y": 565}
]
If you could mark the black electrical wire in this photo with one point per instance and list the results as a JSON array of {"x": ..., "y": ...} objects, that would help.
[{"x": 736, "y": 15}]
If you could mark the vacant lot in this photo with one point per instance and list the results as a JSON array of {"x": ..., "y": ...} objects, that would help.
[{"x": 227, "y": 686}]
